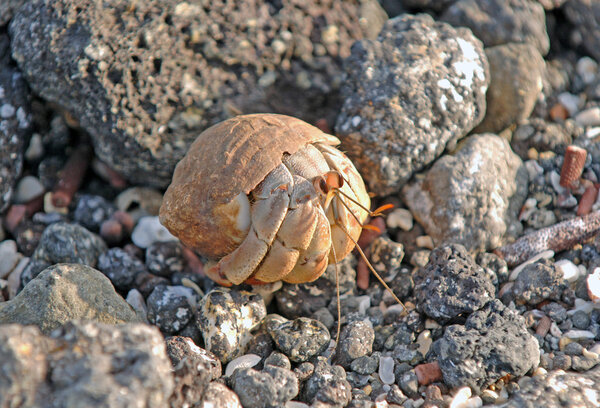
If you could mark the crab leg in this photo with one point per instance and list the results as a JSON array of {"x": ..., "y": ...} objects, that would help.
[{"x": 272, "y": 199}]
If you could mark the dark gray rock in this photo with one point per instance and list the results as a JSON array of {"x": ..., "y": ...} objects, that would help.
[
  {"x": 226, "y": 318},
  {"x": 451, "y": 284},
  {"x": 92, "y": 210},
  {"x": 164, "y": 258},
  {"x": 366, "y": 364},
  {"x": 271, "y": 388},
  {"x": 84, "y": 364},
  {"x": 493, "y": 342},
  {"x": 561, "y": 361},
  {"x": 555, "y": 311},
  {"x": 145, "y": 83},
  {"x": 498, "y": 22},
  {"x": 543, "y": 136},
  {"x": 409, "y": 383},
  {"x": 64, "y": 243},
  {"x": 557, "y": 389},
  {"x": 15, "y": 124},
  {"x": 539, "y": 281},
  {"x": 581, "y": 319},
  {"x": 471, "y": 197},
  {"x": 300, "y": 339},
  {"x": 495, "y": 266},
  {"x": 65, "y": 292},
  {"x": 327, "y": 385},
  {"x": 356, "y": 340},
  {"x": 585, "y": 17},
  {"x": 120, "y": 267},
  {"x": 278, "y": 360},
  {"x": 193, "y": 369},
  {"x": 516, "y": 72},
  {"x": 217, "y": 395},
  {"x": 7, "y": 10},
  {"x": 403, "y": 105},
  {"x": 171, "y": 307}
]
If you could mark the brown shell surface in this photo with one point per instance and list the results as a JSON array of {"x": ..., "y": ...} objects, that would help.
[{"x": 227, "y": 159}]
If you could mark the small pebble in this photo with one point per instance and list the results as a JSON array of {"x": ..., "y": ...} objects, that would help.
[
  {"x": 245, "y": 361},
  {"x": 148, "y": 231},
  {"x": 579, "y": 334},
  {"x": 425, "y": 241},
  {"x": 296, "y": 404},
  {"x": 400, "y": 218},
  {"x": 136, "y": 301},
  {"x": 569, "y": 270},
  {"x": 592, "y": 132},
  {"x": 461, "y": 397},
  {"x": 542, "y": 255},
  {"x": 424, "y": 341},
  {"x": 9, "y": 257},
  {"x": 588, "y": 117},
  {"x": 571, "y": 102},
  {"x": 28, "y": 188},
  {"x": 35, "y": 150},
  {"x": 428, "y": 373},
  {"x": 587, "y": 69},
  {"x": 386, "y": 370},
  {"x": 593, "y": 285},
  {"x": 581, "y": 320}
]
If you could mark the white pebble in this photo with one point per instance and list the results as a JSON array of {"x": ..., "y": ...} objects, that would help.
[
  {"x": 589, "y": 354},
  {"x": 424, "y": 341},
  {"x": 364, "y": 302},
  {"x": 534, "y": 170},
  {"x": 7, "y": 111},
  {"x": 425, "y": 241},
  {"x": 571, "y": 102},
  {"x": 587, "y": 69},
  {"x": 528, "y": 208},
  {"x": 148, "y": 231},
  {"x": 136, "y": 301},
  {"x": 28, "y": 188},
  {"x": 386, "y": 370},
  {"x": 569, "y": 270},
  {"x": 245, "y": 361},
  {"x": 593, "y": 286},
  {"x": 592, "y": 132},
  {"x": 595, "y": 348},
  {"x": 50, "y": 208},
  {"x": 14, "y": 279},
  {"x": 9, "y": 257},
  {"x": 579, "y": 334},
  {"x": 400, "y": 218},
  {"x": 588, "y": 117},
  {"x": 542, "y": 255},
  {"x": 461, "y": 396}
]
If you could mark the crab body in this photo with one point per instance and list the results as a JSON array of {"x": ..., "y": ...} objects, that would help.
[{"x": 255, "y": 194}]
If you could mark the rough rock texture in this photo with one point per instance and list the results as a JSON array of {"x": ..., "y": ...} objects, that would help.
[
  {"x": 403, "y": 104},
  {"x": 217, "y": 395},
  {"x": 498, "y": 22},
  {"x": 64, "y": 243},
  {"x": 84, "y": 364},
  {"x": 356, "y": 340},
  {"x": 300, "y": 339},
  {"x": 8, "y": 8},
  {"x": 451, "y": 284},
  {"x": 516, "y": 72},
  {"x": 557, "y": 389},
  {"x": 120, "y": 267},
  {"x": 66, "y": 292},
  {"x": 327, "y": 385},
  {"x": 193, "y": 369},
  {"x": 585, "y": 17},
  {"x": 149, "y": 78},
  {"x": 15, "y": 124},
  {"x": 271, "y": 388},
  {"x": 472, "y": 197},
  {"x": 171, "y": 307},
  {"x": 543, "y": 136},
  {"x": 537, "y": 282},
  {"x": 493, "y": 342},
  {"x": 226, "y": 317}
]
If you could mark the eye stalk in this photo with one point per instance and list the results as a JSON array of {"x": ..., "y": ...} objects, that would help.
[{"x": 327, "y": 182}]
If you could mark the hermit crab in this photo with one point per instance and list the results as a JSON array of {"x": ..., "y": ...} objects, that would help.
[{"x": 266, "y": 198}]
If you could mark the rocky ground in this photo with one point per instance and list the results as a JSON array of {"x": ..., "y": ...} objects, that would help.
[{"x": 464, "y": 114}]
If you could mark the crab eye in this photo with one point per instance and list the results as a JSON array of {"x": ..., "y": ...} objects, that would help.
[
  {"x": 323, "y": 186},
  {"x": 334, "y": 179}
]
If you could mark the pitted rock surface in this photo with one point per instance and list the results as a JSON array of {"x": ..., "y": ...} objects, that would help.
[
  {"x": 327, "y": 386},
  {"x": 493, "y": 342},
  {"x": 270, "y": 388},
  {"x": 471, "y": 197},
  {"x": 171, "y": 307},
  {"x": 403, "y": 104},
  {"x": 64, "y": 243},
  {"x": 15, "y": 125},
  {"x": 65, "y": 292},
  {"x": 144, "y": 81},
  {"x": 225, "y": 319},
  {"x": 451, "y": 284},
  {"x": 498, "y": 22},
  {"x": 356, "y": 340},
  {"x": 537, "y": 282},
  {"x": 300, "y": 339}
]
